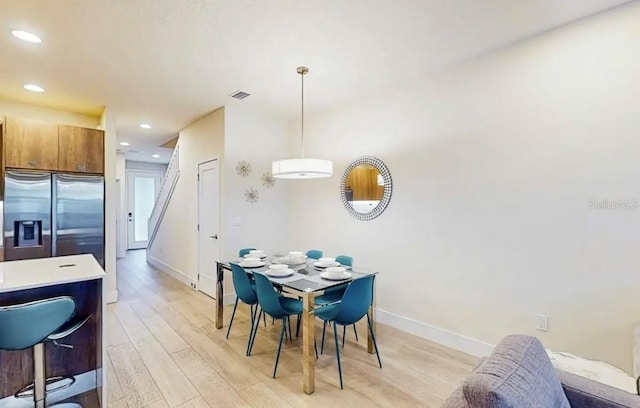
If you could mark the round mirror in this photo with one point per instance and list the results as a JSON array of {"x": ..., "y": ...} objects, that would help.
[{"x": 366, "y": 188}]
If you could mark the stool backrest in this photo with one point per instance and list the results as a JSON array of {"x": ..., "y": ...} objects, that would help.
[
  {"x": 344, "y": 260},
  {"x": 25, "y": 325}
]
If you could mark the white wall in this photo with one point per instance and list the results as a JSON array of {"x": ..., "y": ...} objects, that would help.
[
  {"x": 175, "y": 247},
  {"x": 121, "y": 177},
  {"x": 258, "y": 139},
  {"x": 108, "y": 124},
  {"x": 494, "y": 164},
  {"x": 138, "y": 165}
]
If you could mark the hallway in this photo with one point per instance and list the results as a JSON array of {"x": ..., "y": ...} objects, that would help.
[{"x": 164, "y": 351}]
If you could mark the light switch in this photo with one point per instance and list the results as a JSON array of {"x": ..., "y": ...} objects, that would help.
[{"x": 237, "y": 221}]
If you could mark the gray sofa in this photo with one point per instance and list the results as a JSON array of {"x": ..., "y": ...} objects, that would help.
[{"x": 519, "y": 374}]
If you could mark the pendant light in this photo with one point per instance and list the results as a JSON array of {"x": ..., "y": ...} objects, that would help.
[{"x": 302, "y": 168}]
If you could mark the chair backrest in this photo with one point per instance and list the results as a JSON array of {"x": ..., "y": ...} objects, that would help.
[
  {"x": 245, "y": 251},
  {"x": 356, "y": 301},
  {"x": 242, "y": 285},
  {"x": 314, "y": 254},
  {"x": 267, "y": 297},
  {"x": 344, "y": 260},
  {"x": 25, "y": 325}
]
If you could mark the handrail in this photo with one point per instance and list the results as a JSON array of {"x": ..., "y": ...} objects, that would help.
[{"x": 171, "y": 176}]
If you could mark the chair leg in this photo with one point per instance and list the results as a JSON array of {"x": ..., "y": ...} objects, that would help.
[
  {"x": 335, "y": 337},
  {"x": 253, "y": 322},
  {"x": 355, "y": 331},
  {"x": 324, "y": 328},
  {"x": 315, "y": 345},
  {"x": 279, "y": 348},
  {"x": 252, "y": 338},
  {"x": 298, "y": 326},
  {"x": 233, "y": 314},
  {"x": 373, "y": 337},
  {"x": 289, "y": 324},
  {"x": 344, "y": 334},
  {"x": 264, "y": 316}
]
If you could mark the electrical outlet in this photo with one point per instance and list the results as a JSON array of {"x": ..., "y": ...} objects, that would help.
[{"x": 542, "y": 323}]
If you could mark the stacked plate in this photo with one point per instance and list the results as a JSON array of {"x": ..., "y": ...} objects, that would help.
[
  {"x": 293, "y": 258},
  {"x": 335, "y": 273},
  {"x": 326, "y": 263},
  {"x": 252, "y": 263},
  {"x": 279, "y": 271},
  {"x": 256, "y": 253}
]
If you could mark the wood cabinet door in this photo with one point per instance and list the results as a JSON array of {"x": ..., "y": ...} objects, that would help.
[
  {"x": 81, "y": 150},
  {"x": 30, "y": 144}
]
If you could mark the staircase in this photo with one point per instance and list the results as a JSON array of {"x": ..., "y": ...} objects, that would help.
[{"x": 169, "y": 182}]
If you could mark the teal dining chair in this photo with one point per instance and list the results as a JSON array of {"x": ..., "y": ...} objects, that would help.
[
  {"x": 246, "y": 292},
  {"x": 276, "y": 306},
  {"x": 245, "y": 251},
  {"x": 354, "y": 306},
  {"x": 314, "y": 254},
  {"x": 333, "y": 295}
]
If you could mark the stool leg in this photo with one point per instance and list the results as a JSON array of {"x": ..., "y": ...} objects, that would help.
[{"x": 39, "y": 374}]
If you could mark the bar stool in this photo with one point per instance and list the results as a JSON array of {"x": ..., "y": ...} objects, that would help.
[{"x": 30, "y": 325}]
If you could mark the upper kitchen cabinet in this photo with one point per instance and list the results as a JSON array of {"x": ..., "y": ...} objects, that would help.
[
  {"x": 30, "y": 144},
  {"x": 80, "y": 150}
]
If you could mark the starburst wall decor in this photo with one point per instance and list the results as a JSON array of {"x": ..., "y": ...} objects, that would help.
[
  {"x": 251, "y": 195},
  {"x": 268, "y": 180},
  {"x": 243, "y": 168}
]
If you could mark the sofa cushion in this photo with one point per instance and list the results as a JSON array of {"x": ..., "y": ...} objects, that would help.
[
  {"x": 585, "y": 393},
  {"x": 518, "y": 374}
]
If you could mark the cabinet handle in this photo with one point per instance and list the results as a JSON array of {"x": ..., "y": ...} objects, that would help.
[
  {"x": 32, "y": 163},
  {"x": 81, "y": 167}
]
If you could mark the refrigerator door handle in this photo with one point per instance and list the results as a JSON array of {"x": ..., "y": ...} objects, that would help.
[{"x": 54, "y": 215}]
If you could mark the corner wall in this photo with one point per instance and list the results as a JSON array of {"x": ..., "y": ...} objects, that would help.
[
  {"x": 175, "y": 248},
  {"x": 495, "y": 165}
]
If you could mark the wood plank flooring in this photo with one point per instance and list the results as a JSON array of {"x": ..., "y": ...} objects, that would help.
[{"x": 164, "y": 351}]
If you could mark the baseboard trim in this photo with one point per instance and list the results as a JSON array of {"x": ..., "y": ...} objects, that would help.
[
  {"x": 111, "y": 296},
  {"x": 163, "y": 267},
  {"x": 436, "y": 334}
]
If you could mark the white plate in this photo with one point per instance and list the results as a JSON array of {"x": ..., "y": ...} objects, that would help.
[
  {"x": 319, "y": 265},
  {"x": 279, "y": 273},
  {"x": 344, "y": 276},
  {"x": 255, "y": 256},
  {"x": 257, "y": 265}
]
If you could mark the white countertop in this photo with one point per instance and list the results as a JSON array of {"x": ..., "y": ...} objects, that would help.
[{"x": 36, "y": 273}]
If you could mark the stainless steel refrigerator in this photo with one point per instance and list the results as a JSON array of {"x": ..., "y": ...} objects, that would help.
[{"x": 53, "y": 214}]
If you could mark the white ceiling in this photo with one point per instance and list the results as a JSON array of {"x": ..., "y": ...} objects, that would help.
[{"x": 166, "y": 62}]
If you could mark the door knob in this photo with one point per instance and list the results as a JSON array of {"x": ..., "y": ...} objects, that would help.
[{"x": 213, "y": 236}]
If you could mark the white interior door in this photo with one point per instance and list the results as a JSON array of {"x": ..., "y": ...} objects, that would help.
[
  {"x": 208, "y": 225},
  {"x": 142, "y": 190}
]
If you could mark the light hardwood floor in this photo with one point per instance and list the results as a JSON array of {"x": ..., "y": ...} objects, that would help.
[{"x": 164, "y": 351}]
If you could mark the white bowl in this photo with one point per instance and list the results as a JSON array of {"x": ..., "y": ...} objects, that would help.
[
  {"x": 327, "y": 260},
  {"x": 252, "y": 261},
  {"x": 328, "y": 264},
  {"x": 278, "y": 267},
  {"x": 296, "y": 253},
  {"x": 335, "y": 271},
  {"x": 256, "y": 252}
]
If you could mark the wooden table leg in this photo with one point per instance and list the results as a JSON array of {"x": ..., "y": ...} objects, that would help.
[
  {"x": 370, "y": 348},
  {"x": 308, "y": 341},
  {"x": 219, "y": 295}
]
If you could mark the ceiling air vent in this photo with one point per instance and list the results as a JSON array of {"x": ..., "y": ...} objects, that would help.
[
  {"x": 134, "y": 151},
  {"x": 239, "y": 95}
]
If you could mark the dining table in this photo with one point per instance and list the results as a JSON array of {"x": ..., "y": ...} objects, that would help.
[{"x": 306, "y": 283}]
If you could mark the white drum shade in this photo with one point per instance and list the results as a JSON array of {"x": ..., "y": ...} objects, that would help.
[{"x": 302, "y": 168}]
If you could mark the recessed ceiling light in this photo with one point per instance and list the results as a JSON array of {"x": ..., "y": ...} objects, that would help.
[
  {"x": 145, "y": 126},
  {"x": 33, "y": 88},
  {"x": 124, "y": 144},
  {"x": 26, "y": 36},
  {"x": 155, "y": 156}
]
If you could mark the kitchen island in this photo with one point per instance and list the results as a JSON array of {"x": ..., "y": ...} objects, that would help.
[{"x": 78, "y": 356}]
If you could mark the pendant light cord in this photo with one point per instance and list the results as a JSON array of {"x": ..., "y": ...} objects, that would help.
[{"x": 302, "y": 121}]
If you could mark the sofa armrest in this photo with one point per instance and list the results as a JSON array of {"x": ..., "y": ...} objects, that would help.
[
  {"x": 585, "y": 393},
  {"x": 456, "y": 400}
]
